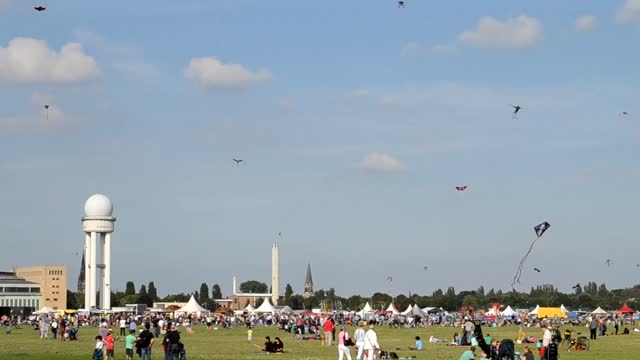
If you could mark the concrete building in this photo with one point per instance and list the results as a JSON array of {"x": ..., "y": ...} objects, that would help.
[
  {"x": 18, "y": 296},
  {"x": 97, "y": 224},
  {"x": 52, "y": 280}
]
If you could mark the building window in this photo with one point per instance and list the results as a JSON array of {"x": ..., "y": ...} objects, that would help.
[{"x": 55, "y": 299}]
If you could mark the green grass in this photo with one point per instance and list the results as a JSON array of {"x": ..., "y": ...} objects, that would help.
[{"x": 232, "y": 344}]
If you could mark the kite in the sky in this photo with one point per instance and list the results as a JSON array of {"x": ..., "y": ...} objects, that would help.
[
  {"x": 40, "y": 8},
  {"x": 609, "y": 262},
  {"x": 46, "y": 109},
  {"x": 238, "y": 161},
  {"x": 425, "y": 268},
  {"x": 389, "y": 279},
  {"x": 539, "y": 229},
  {"x": 576, "y": 286},
  {"x": 516, "y": 109},
  {"x": 624, "y": 114},
  {"x": 401, "y": 4},
  {"x": 461, "y": 188},
  {"x": 536, "y": 269}
]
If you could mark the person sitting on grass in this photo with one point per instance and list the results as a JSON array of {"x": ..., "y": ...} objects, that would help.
[
  {"x": 278, "y": 345},
  {"x": 268, "y": 345},
  {"x": 419, "y": 345},
  {"x": 468, "y": 354},
  {"x": 456, "y": 340}
]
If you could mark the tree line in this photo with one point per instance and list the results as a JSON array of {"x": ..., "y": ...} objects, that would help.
[{"x": 585, "y": 297}]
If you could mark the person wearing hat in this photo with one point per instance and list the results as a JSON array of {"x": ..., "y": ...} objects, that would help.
[
  {"x": 359, "y": 336},
  {"x": 371, "y": 342}
]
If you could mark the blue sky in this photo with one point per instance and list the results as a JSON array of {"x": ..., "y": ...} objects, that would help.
[{"x": 356, "y": 120}]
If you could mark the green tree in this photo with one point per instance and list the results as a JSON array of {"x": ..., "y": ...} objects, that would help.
[
  {"x": 253, "y": 287},
  {"x": 471, "y": 300},
  {"x": 143, "y": 290},
  {"x": 296, "y": 302},
  {"x": 73, "y": 300},
  {"x": 288, "y": 292},
  {"x": 130, "y": 288},
  {"x": 204, "y": 295},
  {"x": 152, "y": 291},
  {"x": 216, "y": 293}
]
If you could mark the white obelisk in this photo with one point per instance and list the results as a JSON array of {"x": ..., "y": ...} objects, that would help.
[{"x": 275, "y": 273}]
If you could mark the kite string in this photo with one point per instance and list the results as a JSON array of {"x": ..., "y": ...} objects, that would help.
[{"x": 516, "y": 277}]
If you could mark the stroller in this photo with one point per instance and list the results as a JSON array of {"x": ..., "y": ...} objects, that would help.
[
  {"x": 506, "y": 351},
  {"x": 581, "y": 343},
  {"x": 73, "y": 334}
]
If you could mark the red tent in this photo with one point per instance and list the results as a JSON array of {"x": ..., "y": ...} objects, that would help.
[{"x": 625, "y": 309}]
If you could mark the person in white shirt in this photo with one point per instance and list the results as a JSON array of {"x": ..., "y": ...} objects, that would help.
[
  {"x": 546, "y": 336},
  {"x": 123, "y": 327},
  {"x": 359, "y": 336},
  {"x": 371, "y": 342}
]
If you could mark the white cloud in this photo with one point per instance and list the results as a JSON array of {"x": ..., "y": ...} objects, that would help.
[
  {"x": 212, "y": 73},
  {"x": 380, "y": 162},
  {"x": 518, "y": 32},
  {"x": 41, "y": 120},
  {"x": 380, "y": 99},
  {"x": 629, "y": 13},
  {"x": 585, "y": 23},
  {"x": 285, "y": 103},
  {"x": 362, "y": 93},
  {"x": 443, "y": 49},
  {"x": 389, "y": 101},
  {"x": 29, "y": 60},
  {"x": 126, "y": 59}
]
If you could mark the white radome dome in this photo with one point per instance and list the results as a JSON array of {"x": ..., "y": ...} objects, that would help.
[{"x": 98, "y": 205}]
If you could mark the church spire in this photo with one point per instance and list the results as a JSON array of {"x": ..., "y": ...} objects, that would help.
[
  {"x": 308, "y": 283},
  {"x": 81, "y": 277}
]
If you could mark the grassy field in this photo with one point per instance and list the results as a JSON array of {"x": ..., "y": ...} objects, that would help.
[{"x": 232, "y": 344}]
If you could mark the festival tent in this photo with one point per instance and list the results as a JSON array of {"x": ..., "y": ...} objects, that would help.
[
  {"x": 249, "y": 308},
  {"x": 508, "y": 312},
  {"x": 284, "y": 309},
  {"x": 408, "y": 311},
  {"x": 535, "y": 311},
  {"x": 266, "y": 307},
  {"x": 392, "y": 309},
  {"x": 365, "y": 310},
  {"x": 491, "y": 312},
  {"x": 564, "y": 309},
  {"x": 416, "y": 311},
  {"x": 191, "y": 307},
  {"x": 48, "y": 310},
  {"x": 625, "y": 309},
  {"x": 551, "y": 312},
  {"x": 598, "y": 311}
]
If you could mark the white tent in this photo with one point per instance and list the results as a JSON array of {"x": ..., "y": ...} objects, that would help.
[
  {"x": 598, "y": 311},
  {"x": 491, "y": 312},
  {"x": 416, "y": 311},
  {"x": 535, "y": 311},
  {"x": 508, "y": 312},
  {"x": 284, "y": 309},
  {"x": 564, "y": 309},
  {"x": 365, "y": 310},
  {"x": 44, "y": 310},
  {"x": 392, "y": 309},
  {"x": 266, "y": 307},
  {"x": 408, "y": 311},
  {"x": 249, "y": 308},
  {"x": 191, "y": 307}
]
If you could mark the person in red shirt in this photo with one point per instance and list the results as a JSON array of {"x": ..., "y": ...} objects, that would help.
[
  {"x": 328, "y": 331},
  {"x": 109, "y": 340}
]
